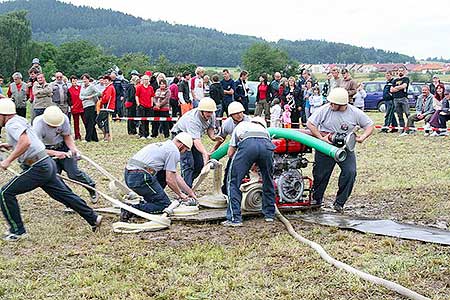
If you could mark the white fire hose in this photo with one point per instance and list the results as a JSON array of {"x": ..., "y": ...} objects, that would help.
[{"x": 340, "y": 265}]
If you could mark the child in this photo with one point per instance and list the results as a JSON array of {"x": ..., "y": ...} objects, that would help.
[
  {"x": 306, "y": 95},
  {"x": 286, "y": 118},
  {"x": 275, "y": 114},
  {"x": 359, "y": 97},
  {"x": 316, "y": 100}
]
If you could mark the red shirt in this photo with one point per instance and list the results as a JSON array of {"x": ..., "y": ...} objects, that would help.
[
  {"x": 77, "y": 104},
  {"x": 262, "y": 89},
  {"x": 173, "y": 91},
  {"x": 145, "y": 95},
  {"x": 109, "y": 97}
]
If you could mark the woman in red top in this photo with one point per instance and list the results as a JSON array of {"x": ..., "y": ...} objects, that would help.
[
  {"x": 144, "y": 102},
  {"x": 161, "y": 109},
  {"x": 262, "y": 99},
  {"x": 108, "y": 105},
  {"x": 76, "y": 107}
]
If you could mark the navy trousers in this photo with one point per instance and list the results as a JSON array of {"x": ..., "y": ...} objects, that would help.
[
  {"x": 250, "y": 151},
  {"x": 70, "y": 165},
  {"x": 150, "y": 187},
  {"x": 322, "y": 170},
  {"x": 191, "y": 165},
  {"x": 43, "y": 175}
]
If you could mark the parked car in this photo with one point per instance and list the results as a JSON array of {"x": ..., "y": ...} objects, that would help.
[
  {"x": 253, "y": 86},
  {"x": 374, "y": 98}
]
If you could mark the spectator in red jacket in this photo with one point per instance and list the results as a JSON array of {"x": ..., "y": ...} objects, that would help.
[
  {"x": 107, "y": 107},
  {"x": 76, "y": 106}
]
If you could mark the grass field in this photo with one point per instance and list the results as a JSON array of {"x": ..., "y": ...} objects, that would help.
[{"x": 405, "y": 179}]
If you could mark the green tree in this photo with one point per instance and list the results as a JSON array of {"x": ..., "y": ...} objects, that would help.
[
  {"x": 162, "y": 64},
  {"x": 49, "y": 69},
  {"x": 15, "y": 36},
  {"x": 72, "y": 55},
  {"x": 262, "y": 58},
  {"x": 134, "y": 61}
]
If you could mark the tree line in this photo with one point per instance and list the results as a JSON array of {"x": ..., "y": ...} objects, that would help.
[{"x": 117, "y": 33}]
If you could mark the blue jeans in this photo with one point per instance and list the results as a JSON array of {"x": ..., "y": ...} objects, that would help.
[
  {"x": 250, "y": 151},
  {"x": 195, "y": 103},
  {"x": 43, "y": 175},
  {"x": 151, "y": 187},
  {"x": 191, "y": 165}
]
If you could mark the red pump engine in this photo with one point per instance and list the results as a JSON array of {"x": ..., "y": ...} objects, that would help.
[{"x": 292, "y": 189}]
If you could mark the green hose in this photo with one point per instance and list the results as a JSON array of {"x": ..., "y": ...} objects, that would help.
[{"x": 338, "y": 154}]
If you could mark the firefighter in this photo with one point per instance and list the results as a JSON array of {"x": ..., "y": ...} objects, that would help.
[
  {"x": 39, "y": 170},
  {"x": 196, "y": 122},
  {"x": 337, "y": 116},
  {"x": 236, "y": 115},
  {"x": 53, "y": 129},
  {"x": 151, "y": 169},
  {"x": 250, "y": 145}
]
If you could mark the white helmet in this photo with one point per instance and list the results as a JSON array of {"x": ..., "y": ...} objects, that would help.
[
  {"x": 338, "y": 96},
  {"x": 235, "y": 107},
  {"x": 53, "y": 116},
  {"x": 185, "y": 138},
  {"x": 260, "y": 121},
  {"x": 35, "y": 61},
  {"x": 7, "y": 107},
  {"x": 207, "y": 104}
]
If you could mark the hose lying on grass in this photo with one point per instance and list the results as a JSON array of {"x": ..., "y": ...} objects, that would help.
[{"x": 340, "y": 265}]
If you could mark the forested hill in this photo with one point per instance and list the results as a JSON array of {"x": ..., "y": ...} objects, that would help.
[{"x": 119, "y": 33}]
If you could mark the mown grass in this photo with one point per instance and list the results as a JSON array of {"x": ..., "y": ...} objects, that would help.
[{"x": 405, "y": 179}]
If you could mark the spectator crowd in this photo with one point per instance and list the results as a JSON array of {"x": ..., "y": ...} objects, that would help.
[{"x": 286, "y": 102}]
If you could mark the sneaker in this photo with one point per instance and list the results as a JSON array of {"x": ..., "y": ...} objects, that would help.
[
  {"x": 94, "y": 196},
  {"x": 149, "y": 138},
  {"x": 98, "y": 222},
  {"x": 384, "y": 130},
  {"x": 142, "y": 138},
  {"x": 338, "y": 208},
  {"x": 12, "y": 237},
  {"x": 125, "y": 215},
  {"x": 231, "y": 224},
  {"x": 428, "y": 134},
  {"x": 404, "y": 134},
  {"x": 444, "y": 133},
  {"x": 269, "y": 220}
]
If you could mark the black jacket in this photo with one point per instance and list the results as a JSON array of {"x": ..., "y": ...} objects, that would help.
[
  {"x": 387, "y": 96},
  {"x": 239, "y": 93},
  {"x": 183, "y": 87},
  {"x": 216, "y": 92}
]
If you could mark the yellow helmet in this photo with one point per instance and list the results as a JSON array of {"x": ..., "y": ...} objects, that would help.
[
  {"x": 185, "y": 138},
  {"x": 7, "y": 107},
  {"x": 235, "y": 107},
  {"x": 338, "y": 96},
  {"x": 53, "y": 116},
  {"x": 207, "y": 104}
]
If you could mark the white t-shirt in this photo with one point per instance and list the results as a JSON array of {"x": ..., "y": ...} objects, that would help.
[
  {"x": 330, "y": 121},
  {"x": 51, "y": 136},
  {"x": 159, "y": 156},
  {"x": 15, "y": 127}
]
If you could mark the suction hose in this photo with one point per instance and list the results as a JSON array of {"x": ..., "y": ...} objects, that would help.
[
  {"x": 340, "y": 265},
  {"x": 338, "y": 154}
]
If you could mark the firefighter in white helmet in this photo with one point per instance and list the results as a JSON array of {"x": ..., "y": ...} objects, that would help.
[
  {"x": 196, "y": 122},
  {"x": 53, "y": 129},
  {"x": 39, "y": 171},
  {"x": 336, "y": 117},
  {"x": 236, "y": 115},
  {"x": 250, "y": 145},
  {"x": 152, "y": 168}
]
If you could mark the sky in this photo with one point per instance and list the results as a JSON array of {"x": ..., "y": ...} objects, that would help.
[{"x": 416, "y": 28}]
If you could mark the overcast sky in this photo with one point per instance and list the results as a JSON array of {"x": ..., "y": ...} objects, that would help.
[{"x": 410, "y": 27}]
